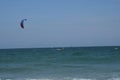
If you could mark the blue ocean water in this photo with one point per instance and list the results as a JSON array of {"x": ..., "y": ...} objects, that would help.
[{"x": 70, "y": 63}]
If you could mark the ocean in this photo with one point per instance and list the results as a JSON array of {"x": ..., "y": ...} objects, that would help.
[{"x": 68, "y": 63}]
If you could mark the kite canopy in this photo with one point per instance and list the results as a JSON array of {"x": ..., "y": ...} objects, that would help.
[{"x": 22, "y": 23}]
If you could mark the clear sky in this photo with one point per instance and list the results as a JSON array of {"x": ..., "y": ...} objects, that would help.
[{"x": 56, "y": 23}]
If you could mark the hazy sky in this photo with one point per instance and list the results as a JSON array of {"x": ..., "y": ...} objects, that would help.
[{"x": 54, "y": 23}]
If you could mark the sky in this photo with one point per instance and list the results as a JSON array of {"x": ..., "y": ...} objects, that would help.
[{"x": 59, "y": 23}]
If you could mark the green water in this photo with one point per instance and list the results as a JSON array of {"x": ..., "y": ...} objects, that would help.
[{"x": 77, "y": 63}]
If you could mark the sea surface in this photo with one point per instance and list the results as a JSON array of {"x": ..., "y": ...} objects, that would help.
[{"x": 70, "y": 63}]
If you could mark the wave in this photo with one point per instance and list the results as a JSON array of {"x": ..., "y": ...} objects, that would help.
[{"x": 67, "y": 78}]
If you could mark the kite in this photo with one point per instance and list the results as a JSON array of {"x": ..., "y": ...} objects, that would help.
[{"x": 22, "y": 23}]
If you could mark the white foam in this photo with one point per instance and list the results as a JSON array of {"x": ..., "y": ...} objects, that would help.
[
  {"x": 38, "y": 79},
  {"x": 25, "y": 79},
  {"x": 114, "y": 79},
  {"x": 61, "y": 79},
  {"x": 82, "y": 79}
]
